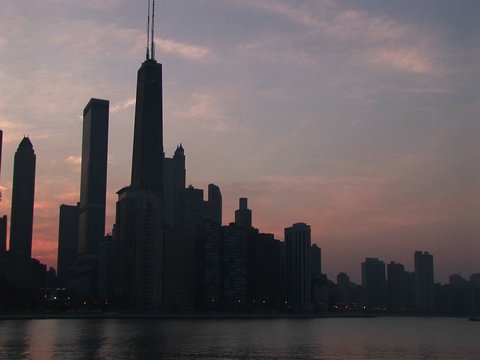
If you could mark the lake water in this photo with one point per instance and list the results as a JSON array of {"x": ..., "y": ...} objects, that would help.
[{"x": 302, "y": 339}]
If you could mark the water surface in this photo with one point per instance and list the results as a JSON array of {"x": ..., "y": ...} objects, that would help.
[{"x": 302, "y": 339}]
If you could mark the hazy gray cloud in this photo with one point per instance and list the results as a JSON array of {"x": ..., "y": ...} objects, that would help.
[
  {"x": 206, "y": 110},
  {"x": 130, "y": 102},
  {"x": 73, "y": 160},
  {"x": 188, "y": 51},
  {"x": 380, "y": 39}
]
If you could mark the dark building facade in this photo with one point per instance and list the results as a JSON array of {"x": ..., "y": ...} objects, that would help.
[
  {"x": 3, "y": 234},
  {"x": 174, "y": 290},
  {"x": 94, "y": 176},
  {"x": 315, "y": 261},
  {"x": 209, "y": 267},
  {"x": 264, "y": 276},
  {"x": 67, "y": 241},
  {"x": 298, "y": 272},
  {"x": 139, "y": 239},
  {"x": 215, "y": 204},
  {"x": 399, "y": 288},
  {"x": 173, "y": 186},
  {"x": 147, "y": 160},
  {"x": 3, "y": 219},
  {"x": 235, "y": 268},
  {"x": 1, "y": 149},
  {"x": 23, "y": 193},
  {"x": 374, "y": 284},
  {"x": 243, "y": 216},
  {"x": 424, "y": 289},
  {"x": 344, "y": 291},
  {"x": 195, "y": 214},
  {"x": 139, "y": 228}
]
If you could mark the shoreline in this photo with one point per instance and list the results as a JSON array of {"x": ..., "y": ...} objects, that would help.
[
  {"x": 159, "y": 316},
  {"x": 92, "y": 315}
]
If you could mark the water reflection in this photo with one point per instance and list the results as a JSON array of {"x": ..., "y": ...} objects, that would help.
[
  {"x": 82, "y": 339},
  {"x": 14, "y": 340},
  {"x": 143, "y": 340},
  {"x": 319, "y": 339}
]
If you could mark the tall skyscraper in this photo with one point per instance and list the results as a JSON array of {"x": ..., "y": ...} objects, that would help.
[
  {"x": 139, "y": 229},
  {"x": 195, "y": 214},
  {"x": 298, "y": 242},
  {"x": 147, "y": 162},
  {"x": 67, "y": 241},
  {"x": 424, "y": 290},
  {"x": 3, "y": 234},
  {"x": 174, "y": 297},
  {"x": 209, "y": 266},
  {"x": 94, "y": 176},
  {"x": 264, "y": 277},
  {"x": 174, "y": 185},
  {"x": 234, "y": 267},
  {"x": 215, "y": 204},
  {"x": 243, "y": 216},
  {"x": 1, "y": 147},
  {"x": 315, "y": 261},
  {"x": 344, "y": 286},
  {"x": 139, "y": 237},
  {"x": 374, "y": 284},
  {"x": 22, "y": 200},
  {"x": 398, "y": 287},
  {"x": 3, "y": 219}
]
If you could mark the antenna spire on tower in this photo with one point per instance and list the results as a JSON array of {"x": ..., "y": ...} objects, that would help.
[
  {"x": 148, "y": 31},
  {"x": 152, "y": 50}
]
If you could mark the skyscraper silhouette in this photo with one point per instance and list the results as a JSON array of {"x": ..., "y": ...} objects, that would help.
[
  {"x": 22, "y": 200},
  {"x": 3, "y": 219},
  {"x": 3, "y": 234},
  {"x": 139, "y": 229},
  {"x": 147, "y": 162},
  {"x": 1, "y": 148},
  {"x": 374, "y": 284},
  {"x": 243, "y": 216},
  {"x": 298, "y": 242},
  {"x": 94, "y": 176},
  {"x": 173, "y": 185},
  {"x": 398, "y": 287},
  {"x": 424, "y": 291},
  {"x": 175, "y": 294},
  {"x": 215, "y": 204},
  {"x": 67, "y": 241}
]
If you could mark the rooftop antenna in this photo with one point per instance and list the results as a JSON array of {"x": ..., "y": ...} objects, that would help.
[
  {"x": 148, "y": 30},
  {"x": 152, "y": 51}
]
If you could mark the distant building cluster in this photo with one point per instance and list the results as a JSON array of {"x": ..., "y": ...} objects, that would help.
[{"x": 170, "y": 252}]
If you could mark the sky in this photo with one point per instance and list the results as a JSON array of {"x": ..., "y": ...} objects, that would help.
[{"x": 359, "y": 118}]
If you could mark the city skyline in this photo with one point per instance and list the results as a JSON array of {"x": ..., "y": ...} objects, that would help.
[{"x": 420, "y": 193}]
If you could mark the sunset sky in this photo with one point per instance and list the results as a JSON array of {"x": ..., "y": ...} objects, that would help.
[{"x": 360, "y": 118}]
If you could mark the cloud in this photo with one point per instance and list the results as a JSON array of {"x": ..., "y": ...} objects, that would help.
[
  {"x": 123, "y": 105},
  {"x": 371, "y": 38},
  {"x": 187, "y": 51},
  {"x": 406, "y": 59},
  {"x": 89, "y": 38},
  {"x": 297, "y": 14},
  {"x": 208, "y": 110},
  {"x": 13, "y": 131},
  {"x": 73, "y": 160},
  {"x": 350, "y": 24},
  {"x": 102, "y": 4},
  {"x": 329, "y": 17}
]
